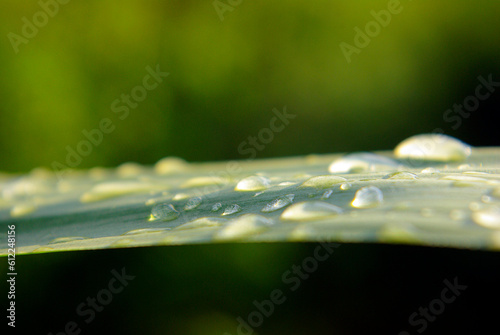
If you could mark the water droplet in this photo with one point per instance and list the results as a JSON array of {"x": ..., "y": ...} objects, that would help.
[
  {"x": 495, "y": 193},
  {"x": 231, "y": 209},
  {"x": 193, "y": 203},
  {"x": 253, "y": 183},
  {"x": 457, "y": 214},
  {"x": 488, "y": 217},
  {"x": 171, "y": 165},
  {"x": 22, "y": 210},
  {"x": 129, "y": 169},
  {"x": 430, "y": 170},
  {"x": 436, "y": 147},
  {"x": 202, "y": 222},
  {"x": 400, "y": 175},
  {"x": 278, "y": 203},
  {"x": 327, "y": 194},
  {"x": 323, "y": 182},
  {"x": 115, "y": 189},
  {"x": 486, "y": 199},
  {"x": 369, "y": 196},
  {"x": 164, "y": 212},
  {"x": 244, "y": 226},
  {"x": 204, "y": 181},
  {"x": 66, "y": 239},
  {"x": 310, "y": 210},
  {"x": 345, "y": 186},
  {"x": 362, "y": 162},
  {"x": 427, "y": 212},
  {"x": 475, "y": 206},
  {"x": 216, "y": 207}
]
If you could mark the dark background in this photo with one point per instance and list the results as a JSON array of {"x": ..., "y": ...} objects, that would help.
[{"x": 226, "y": 76}]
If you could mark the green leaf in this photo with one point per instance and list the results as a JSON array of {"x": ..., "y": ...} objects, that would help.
[{"x": 447, "y": 203}]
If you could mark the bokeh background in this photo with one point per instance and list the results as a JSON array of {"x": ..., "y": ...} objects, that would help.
[{"x": 226, "y": 76}]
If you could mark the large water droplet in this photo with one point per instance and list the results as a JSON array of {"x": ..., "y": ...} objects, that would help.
[
  {"x": 488, "y": 217},
  {"x": 362, "y": 162},
  {"x": 435, "y": 147},
  {"x": 231, "y": 209},
  {"x": 253, "y": 183},
  {"x": 129, "y": 169},
  {"x": 323, "y": 182},
  {"x": 278, "y": 203},
  {"x": 193, "y": 203},
  {"x": 164, "y": 212},
  {"x": 369, "y": 196},
  {"x": 170, "y": 165},
  {"x": 246, "y": 225},
  {"x": 310, "y": 210}
]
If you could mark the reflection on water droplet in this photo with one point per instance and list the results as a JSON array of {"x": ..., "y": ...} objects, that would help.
[
  {"x": 22, "y": 210},
  {"x": 436, "y": 147},
  {"x": 310, "y": 210},
  {"x": 193, "y": 203},
  {"x": 164, "y": 212},
  {"x": 366, "y": 197},
  {"x": 170, "y": 165},
  {"x": 253, "y": 183},
  {"x": 345, "y": 186},
  {"x": 278, "y": 203},
  {"x": 362, "y": 162},
  {"x": 322, "y": 182},
  {"x": 244, "y": 226},
  {"x": 400, "y": 175},
  {"x": 488, "y": 217},
  {"x": 430, "y": 170},
  {"x": 327, "y": 194},
  {"x": 216, "y": 207},
  {"x": 180, "y": 196},
  {"x": 231, "y": 209},
  {"x": 202, "y": 222}
]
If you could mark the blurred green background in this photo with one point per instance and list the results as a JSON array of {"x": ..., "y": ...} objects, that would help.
[
  {"x": 227, "y": 75},
  {"x": 225, "y": 78}
]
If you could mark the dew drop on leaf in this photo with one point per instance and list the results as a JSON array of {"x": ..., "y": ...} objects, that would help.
[
  {"x": 366, "y": 197},
  {"x": 278, "y": 203}
]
